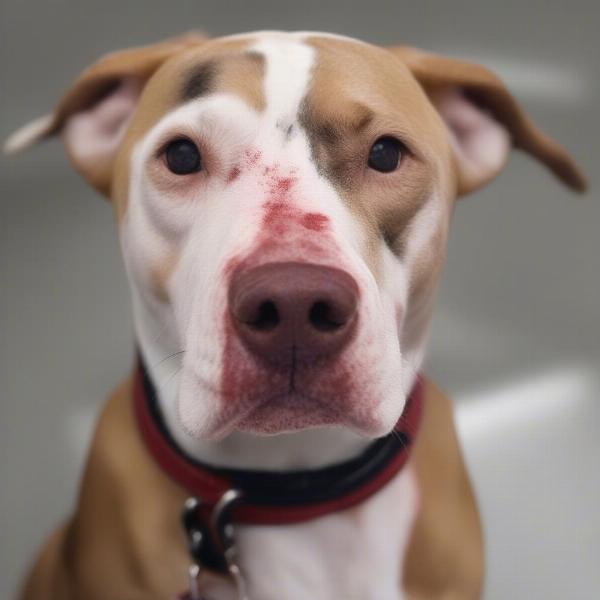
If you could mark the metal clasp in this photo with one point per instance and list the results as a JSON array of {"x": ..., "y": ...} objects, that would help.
[{"x": 212, "y": 545}]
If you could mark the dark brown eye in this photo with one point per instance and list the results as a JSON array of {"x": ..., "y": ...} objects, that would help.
[
  {"x": 183, "y": 157},
  {"x": 385, "y": 154}
]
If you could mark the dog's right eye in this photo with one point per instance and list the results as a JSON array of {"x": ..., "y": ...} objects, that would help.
[
  {"x": 183, "y": 157},
  {"x": 385, "y": 154}
]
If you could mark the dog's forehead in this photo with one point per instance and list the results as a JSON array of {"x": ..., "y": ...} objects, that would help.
[{"x": 337, "y": 77}]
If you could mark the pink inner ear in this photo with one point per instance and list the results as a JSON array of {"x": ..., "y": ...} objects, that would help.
[
  {"x": 93, "y": 136},
  {"x": 481, "y": 143}
]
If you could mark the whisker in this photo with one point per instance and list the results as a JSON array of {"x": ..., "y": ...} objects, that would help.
[{"x": 160, "y": 362}]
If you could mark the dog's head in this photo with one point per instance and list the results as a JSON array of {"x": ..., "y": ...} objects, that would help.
[{"x": 283, "y": 203}]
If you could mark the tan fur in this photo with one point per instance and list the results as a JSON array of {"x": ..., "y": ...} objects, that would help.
[
  {"x": 131, "y": 512},
  {"x": 445, "y": 556}
]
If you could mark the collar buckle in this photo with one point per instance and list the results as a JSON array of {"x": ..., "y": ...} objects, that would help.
[{"x": 211, "y": 542}]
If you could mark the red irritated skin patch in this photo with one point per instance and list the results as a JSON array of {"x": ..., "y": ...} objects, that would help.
[
  {"x": 280, "y": 212},
  {"x": 280, "y": 215},
  {"x": 315, "y": 221}
]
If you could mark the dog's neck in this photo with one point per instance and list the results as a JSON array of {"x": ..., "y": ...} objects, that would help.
[{"x": 312, "y": 448}]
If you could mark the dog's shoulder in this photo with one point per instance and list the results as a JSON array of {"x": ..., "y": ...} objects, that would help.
[{"x": 445, "y": 555}]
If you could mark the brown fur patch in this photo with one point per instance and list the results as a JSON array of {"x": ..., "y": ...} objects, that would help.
[
  {"x": 199, "y": 81},
  {"x": 346, "y": 110},
  {"x": 243, "y": 74},
  {"x": 445, "y": 555}
]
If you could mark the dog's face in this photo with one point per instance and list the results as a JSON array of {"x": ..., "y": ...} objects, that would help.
[
  {"x": 284, "y": 223},
  {"x": 283, "y": 203}
]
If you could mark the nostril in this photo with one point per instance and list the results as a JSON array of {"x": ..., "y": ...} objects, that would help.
[
  {"x": 323, "y": 317},
  {"x": 266, "y": 318}
]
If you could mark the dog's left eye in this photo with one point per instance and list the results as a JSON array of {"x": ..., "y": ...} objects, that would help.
[
  {"x": 385, "y": 154},
  {"x": 183, "y": 157}
]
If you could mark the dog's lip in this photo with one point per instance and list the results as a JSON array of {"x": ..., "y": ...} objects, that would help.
[
  {"x": 285, "y": 413},
  {"x": 270, "y": 409},
  {"x": 289, "y": 413}
]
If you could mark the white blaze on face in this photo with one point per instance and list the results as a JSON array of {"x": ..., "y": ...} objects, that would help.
[
  {"x": 288, "y": 67},
  {"x": 255, "y": 161}
]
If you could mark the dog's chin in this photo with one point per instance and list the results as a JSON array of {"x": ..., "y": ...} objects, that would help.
[{"x": 285, "y": 413}]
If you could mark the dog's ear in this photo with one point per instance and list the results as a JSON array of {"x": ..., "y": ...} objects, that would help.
[
  {"x": 93, "y": 114},
  {"x": 484, "y": 120}
]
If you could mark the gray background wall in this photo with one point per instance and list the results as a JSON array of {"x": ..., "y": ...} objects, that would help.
[{"x": 516, "y": 336}]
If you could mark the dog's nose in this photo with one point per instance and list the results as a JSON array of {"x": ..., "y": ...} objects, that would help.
[{"x": 294, "y": 311}]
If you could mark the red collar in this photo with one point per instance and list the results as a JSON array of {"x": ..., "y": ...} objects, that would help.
[{"x": 274, "y": 498}]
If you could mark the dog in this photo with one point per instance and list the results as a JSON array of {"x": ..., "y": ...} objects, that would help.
[{"x": 283, "y": 203}]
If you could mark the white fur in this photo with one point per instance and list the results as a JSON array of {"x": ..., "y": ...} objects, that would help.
[
  {"x": 283, "y": 93},
  {"x": 354, "y": 557}
]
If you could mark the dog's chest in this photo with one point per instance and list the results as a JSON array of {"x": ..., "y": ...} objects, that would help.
[{"x": 356, "y": 555}]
